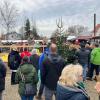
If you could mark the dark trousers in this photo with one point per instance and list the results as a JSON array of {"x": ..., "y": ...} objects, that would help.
[
  {"x": 0, "y": 95},
  {"x": 13, "y": 78},
  {"x": 92, "y": 68},
  {"x": 41, "y": 89},
  {"x": 49, "y": 93}
]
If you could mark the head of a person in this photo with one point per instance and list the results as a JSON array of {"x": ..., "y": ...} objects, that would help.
[
  {"x": 94, "y": 45},
  {"x": 71, "y": 75},
  {"x": 34, "y": 51},
  {"x": 25, "y": 59},
  {"x": 82, "y": 45},
  {"x": 53, "y": 48},
  {"x": 87, "y": 46},
  {"x": 25, "y": 49},
  {"x": 14, "y": 49}
]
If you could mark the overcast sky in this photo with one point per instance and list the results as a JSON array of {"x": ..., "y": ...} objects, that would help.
[{"x": 45, "y": 12}]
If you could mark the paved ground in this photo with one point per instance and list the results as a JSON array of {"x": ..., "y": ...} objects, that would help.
[{"x": 11, "y": 92}]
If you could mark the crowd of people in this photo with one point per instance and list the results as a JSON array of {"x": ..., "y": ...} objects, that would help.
[{"x": 56, "y": 77}]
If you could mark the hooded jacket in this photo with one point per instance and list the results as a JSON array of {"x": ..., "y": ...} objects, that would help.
[
  {"x": 95, "y": 56},
  {"x": 70, "y": 93},
  {"x": 30, "y": 74},
  {"x": 51, "y": 70}
]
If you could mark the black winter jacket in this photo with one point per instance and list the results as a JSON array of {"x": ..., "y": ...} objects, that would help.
[
  {"x": 17, "y": 60},
  {"x": 83, "y": 56},
  {"x": 51, "y": 70},
  {"x": 2, "y": 75}
]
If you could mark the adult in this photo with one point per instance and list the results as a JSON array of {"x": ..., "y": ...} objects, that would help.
[
  {"x": 25, "y": 53},
  {"x": 14, "y": 61},
  {"x": 42, "y": 57},
  {"x": 83, "y": 59},
  {"x": 51, "y": 70},
  {"x": 70, "y": 86},
  {"x": 28, "y": 71},
  {"x": 2, "y": 77},
  {"x": 95, "y": 62},
  {"x": 34, "y": 59},
  {"x": 89, "y": 47}
]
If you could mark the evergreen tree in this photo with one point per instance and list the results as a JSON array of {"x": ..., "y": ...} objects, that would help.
[
  {"x": 27, "y": 29},
  {"x": 34, "y": 32}
]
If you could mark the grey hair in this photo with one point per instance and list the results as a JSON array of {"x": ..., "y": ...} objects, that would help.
[{"x": 34, "y": 51}]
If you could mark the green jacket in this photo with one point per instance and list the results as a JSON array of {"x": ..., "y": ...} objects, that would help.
[
  {"x": 30, "y": 76},
  {"x": 95, "y": 56}
]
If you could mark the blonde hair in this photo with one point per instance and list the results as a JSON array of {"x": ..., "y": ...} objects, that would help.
[
  {"x": 70, "y": 75},
  {"x": 13, "y": 47}
]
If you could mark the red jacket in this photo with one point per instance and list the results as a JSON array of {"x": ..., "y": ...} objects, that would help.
[{"x": 25, "y": 53}]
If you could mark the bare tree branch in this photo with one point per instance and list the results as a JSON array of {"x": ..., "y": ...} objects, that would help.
[
  {"x": 59, "y": 24},
  {"x": 8, "y": 14}
]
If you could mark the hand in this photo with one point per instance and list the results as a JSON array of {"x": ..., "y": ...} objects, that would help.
[{"x": 97, "y": 87}]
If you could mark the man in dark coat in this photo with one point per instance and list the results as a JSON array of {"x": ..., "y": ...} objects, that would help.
[
  {"x": 83, "y": 59},
  {"x": 34, "y": 59},
  {"x": 14, "y": 61},
  {"x": 2, "y": 77},
  {"x": 51, "y": 70}
]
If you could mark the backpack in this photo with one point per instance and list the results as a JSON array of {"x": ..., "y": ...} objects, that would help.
[{"x": 13, "y": 62}]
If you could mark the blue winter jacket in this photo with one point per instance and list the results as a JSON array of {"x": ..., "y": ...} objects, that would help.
[
  {"x": 42, "y": 57},
  {"x": 70, "y": 93}
]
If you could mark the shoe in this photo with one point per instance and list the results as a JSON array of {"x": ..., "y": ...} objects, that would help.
[
  {"x": 95, "y": 78},
  {"x": 90, "y": 79},
  {"x": 38, "y": 97}
]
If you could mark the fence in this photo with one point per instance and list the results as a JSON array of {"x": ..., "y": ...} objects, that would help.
[
  {"x": 6, "y": 49},
  {"x": 30, "y": 47}
]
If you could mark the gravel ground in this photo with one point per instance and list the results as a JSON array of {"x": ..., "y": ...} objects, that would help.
[{"x": 11, "y": 92}]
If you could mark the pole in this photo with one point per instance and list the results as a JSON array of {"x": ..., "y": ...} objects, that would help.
[{"x": 94, "y": 26}]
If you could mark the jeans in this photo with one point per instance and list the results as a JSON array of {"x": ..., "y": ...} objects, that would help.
[
  {"x": 84, "y": 70},
  {"x": 92, "y": 68},
  {"x": 49, "y": 93},
  {"x": 27, "y": 97}
]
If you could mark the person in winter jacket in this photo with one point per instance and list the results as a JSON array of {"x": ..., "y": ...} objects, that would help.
[
  {"x": 90, "y": 48},
  {"x": 42, "y": 57},
  {"x": 30, "y": 75},
  {"x": 51, "y": 70},
  {"x": 83, "y": 58},
  {"x": 2, "y": 77},
  {"x": 14, "y": 61},
  {"x": 34, "y": 59},
  {"x": 95, "y": 62},
  {"x": 70, "y": 85},
  {"x": 25, "y": 53}
]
